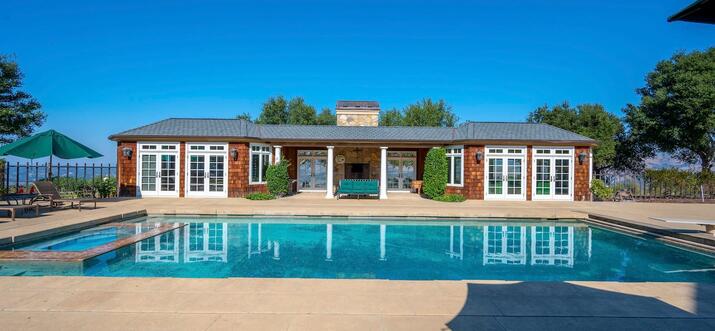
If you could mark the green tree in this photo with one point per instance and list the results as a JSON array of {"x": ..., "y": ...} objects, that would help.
[
  {"x": 676, "y": 113},
  {"x": 392, "y": 117},
  {"x": 275, "y": 111},
  {"x": 300, "y": 112},
  {"x": 435, "y": 173},
  {"x": 593, "y": 121},
  {"x": 20, "y": 113},
  {"x": 245, "y": 116},
  {"x": 326, "y": 117},
  {"x": 429, "y": 113}
]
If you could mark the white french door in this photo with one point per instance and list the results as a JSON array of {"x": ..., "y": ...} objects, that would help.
[
  {"x": 401, "y": 170},
  {"x": 312, "y": 170},
  {"x": 206, "y": 170},
  {"x": 157, "y": 170},
  {"x": 552, "y": 175},
  {"x": 505, "y": 169}
]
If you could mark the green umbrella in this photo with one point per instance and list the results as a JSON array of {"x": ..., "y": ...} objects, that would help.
[{"x": 48, "y": 143}]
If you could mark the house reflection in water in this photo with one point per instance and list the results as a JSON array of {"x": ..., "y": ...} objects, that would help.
[
  {"x": 550, "y": 245},
  {"x": 206, "y": 242},
  {"x": 202, "y": 242},
  {"x": 505, "y": 243},
  {"x": 161, "y": 248},
  {"x": 271, "y": 245}
]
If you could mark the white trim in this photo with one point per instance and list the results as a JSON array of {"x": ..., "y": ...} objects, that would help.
[
  {"x": 172, "y": 149},
  {"x": 450, "y": 158},
  {"x": 590, "y": 168},
  {"x": 552, "y": 165},
  {"x": 205, "y": 152},
  {"x": 505, "y": 155},
  {"x": 261, "y": 175}
]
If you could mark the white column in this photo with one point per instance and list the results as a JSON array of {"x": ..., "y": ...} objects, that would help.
[
  {"x": 329, "y": 180},
  {"x": 383, "y": 172},
  {"x": 277, "y": 150}
]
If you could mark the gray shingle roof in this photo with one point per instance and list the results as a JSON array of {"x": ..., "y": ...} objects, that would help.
[
  {"x": 236, "y": 129},
  {"x": 516, "y": 131}
]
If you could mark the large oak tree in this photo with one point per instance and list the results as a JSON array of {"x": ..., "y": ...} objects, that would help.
[
  {"x": 676, "y": 113},
  {"x": 593, "y": 121}
]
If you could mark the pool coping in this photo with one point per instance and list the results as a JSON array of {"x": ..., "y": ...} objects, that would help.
[
  {"x": 61, "y": 230},
  {"x": 79, "y": 256},
  {"x": 682, "y": 240}
]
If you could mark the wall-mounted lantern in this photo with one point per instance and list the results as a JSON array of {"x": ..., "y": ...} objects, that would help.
[
  {"x": 480, "y": 156},
  {"x": 582, "y": 157},
  {"x": 234, "y": 154},
  {"x": 127, "y": 152}
]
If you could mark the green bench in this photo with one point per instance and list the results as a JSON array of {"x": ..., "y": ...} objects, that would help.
[{"x": 358, "y": 187}]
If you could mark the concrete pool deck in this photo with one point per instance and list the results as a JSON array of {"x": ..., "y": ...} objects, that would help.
[
  {"x": 79, "y": 303},
  {"x": 86, "y": 303}
]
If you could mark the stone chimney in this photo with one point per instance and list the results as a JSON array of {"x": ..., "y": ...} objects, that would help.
[{"x": 357, "y": 113}]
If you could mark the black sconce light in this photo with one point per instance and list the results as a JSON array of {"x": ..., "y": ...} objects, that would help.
[
  {"x": 480, "y": 155},
  {"x": 127, "y": 152},
  {"x": 234, "y": 154},
  {"x": 582, "y": 157}
]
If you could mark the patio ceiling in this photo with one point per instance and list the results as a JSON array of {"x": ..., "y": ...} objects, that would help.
[{"x": 700, "y": 11}]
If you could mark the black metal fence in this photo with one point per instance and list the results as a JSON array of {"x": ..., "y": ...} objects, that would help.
[
  {"x": 641, "y": 187},
  {"x": 18, "y": 177}
]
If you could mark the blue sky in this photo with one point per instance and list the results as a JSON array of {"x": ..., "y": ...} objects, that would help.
[{"x": 99, "y": 67}]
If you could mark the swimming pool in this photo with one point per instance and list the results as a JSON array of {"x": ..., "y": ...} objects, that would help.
[{"x": 388, "y": 249}]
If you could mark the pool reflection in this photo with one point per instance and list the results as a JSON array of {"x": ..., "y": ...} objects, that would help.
[{"x": 552, "y": 244}]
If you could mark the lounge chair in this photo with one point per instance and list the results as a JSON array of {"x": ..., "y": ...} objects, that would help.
[{"x": 47, "y": 191}]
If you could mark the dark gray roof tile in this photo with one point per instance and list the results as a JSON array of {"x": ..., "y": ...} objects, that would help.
[{"x": 234, "y": 128}]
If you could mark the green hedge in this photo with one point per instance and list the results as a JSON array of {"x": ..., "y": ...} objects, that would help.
[
  {"x": 277, "y": 178},
  {"x": 260, "y": 196},
  {"x": 450, "y": 198},
  {"x": 435, "y": 173}
]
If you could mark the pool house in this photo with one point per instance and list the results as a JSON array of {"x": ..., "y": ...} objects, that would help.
[{"x": 200, "y": 157}]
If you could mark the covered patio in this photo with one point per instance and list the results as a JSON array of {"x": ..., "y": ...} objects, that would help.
[{"x": 319, "y": 168}]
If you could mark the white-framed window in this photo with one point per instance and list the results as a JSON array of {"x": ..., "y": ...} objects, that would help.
[
  {"x": 259, "y": 161},
  {"x": 455, "y": 159}
]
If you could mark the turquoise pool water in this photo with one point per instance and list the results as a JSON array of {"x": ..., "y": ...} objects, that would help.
[
  {"x": 80, "y": 241},
  {"x": 388, "y": 249}
]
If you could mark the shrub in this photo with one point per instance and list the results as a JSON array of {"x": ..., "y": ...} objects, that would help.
[
  {"x": 450, "y": 198},
  {"x": 277, "y": 178},
  {"x": 435, "y": 173},
  {"x": 600, "y": 191},
  {"x": 260, "y": 196},
  {"x": 69, "y": 184},
  {"x": 105, "y": 187}
]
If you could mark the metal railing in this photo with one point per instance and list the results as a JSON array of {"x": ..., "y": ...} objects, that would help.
[
  {"x": 18, "y": 177},
  {"x": 640, "y": 187}
]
